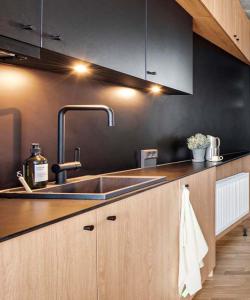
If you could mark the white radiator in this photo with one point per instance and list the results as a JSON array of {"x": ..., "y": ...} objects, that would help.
[{"x": 232, "y": 200}]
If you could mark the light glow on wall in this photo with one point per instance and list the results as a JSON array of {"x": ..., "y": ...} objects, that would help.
[
  {"x": 125, "y": 93},
  {"x": 13, "y": 78}
]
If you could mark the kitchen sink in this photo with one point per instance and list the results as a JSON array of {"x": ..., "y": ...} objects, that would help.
[{"x": 97, "y": 188}]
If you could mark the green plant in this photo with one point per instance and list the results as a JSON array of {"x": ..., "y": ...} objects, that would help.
[{"x": 197, "y": 141}]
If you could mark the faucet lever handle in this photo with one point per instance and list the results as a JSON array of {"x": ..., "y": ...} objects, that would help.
[{"x": 77, "y": 153}]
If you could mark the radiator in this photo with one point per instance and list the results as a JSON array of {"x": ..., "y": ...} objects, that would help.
[{"x": 232, "y": 200}]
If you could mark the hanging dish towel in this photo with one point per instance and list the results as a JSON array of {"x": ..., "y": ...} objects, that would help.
[{"x": 192, "y": 249}]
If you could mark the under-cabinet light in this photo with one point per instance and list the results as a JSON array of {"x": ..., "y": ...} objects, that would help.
[
  {"x": 80, "y": 68},
  {"x": 155, "y": 89}
]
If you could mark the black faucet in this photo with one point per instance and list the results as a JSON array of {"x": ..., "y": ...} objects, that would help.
[{"x": 61, "y": 167}]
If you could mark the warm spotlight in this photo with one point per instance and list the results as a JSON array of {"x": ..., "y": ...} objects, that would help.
[
  {"x": 80, "y": 69},
  {"x": 155, "y": 89}
]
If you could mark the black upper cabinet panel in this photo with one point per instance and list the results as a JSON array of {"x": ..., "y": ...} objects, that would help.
[
  {"x": 169, "y": 45},
  {"x": 21, "y": 20},
  {"x": 109, "y": 33}
]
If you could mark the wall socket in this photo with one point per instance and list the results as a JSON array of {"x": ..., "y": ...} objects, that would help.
[{"x": 148, "y": 158}]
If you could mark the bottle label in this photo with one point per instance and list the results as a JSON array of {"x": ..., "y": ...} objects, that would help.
[{"x": 41, "y": 172}]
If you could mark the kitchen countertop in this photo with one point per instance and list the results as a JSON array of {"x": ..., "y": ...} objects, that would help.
[{"x": 19, "y": 216}]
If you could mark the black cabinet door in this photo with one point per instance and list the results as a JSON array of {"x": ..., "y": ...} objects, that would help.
[
  {"x": 109, "y": 33},
  {"x": 169, "y": 45},
  {"x": 21, "y": 20}
]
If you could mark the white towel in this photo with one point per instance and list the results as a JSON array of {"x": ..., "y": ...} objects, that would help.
[{"x": 192, "y": 249}]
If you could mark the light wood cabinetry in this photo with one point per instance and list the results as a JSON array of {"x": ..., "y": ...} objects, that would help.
[
  {"x": 224, "y": 11},
  {"x": 138, "y": 252},
  {"x": 222, "y": 22},
  {"x": 202, "y": 197},
  {"x": 229, "y": 169},
  {"x": 233, "y": 20},
  {"x": 246, "y": 163},
  {"x": 132, "y": 252},
  {"x": 57, "y": 262}
]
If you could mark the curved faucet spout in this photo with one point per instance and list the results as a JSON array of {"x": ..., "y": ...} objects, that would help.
[
  {"x": 61, "y": 177},
  {"x": 108, "y": 110}
]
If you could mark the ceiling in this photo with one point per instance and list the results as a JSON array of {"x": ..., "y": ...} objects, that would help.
[{"x": 246, "y": 6}]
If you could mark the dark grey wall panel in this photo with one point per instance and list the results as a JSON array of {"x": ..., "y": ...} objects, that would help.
[{"x": 28, "y": 113}]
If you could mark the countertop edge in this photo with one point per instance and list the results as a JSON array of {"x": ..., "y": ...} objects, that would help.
[{"x": 107, "y": 202}]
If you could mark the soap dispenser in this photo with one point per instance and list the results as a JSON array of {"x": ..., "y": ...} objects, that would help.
[{"x": 35, "y": 168}]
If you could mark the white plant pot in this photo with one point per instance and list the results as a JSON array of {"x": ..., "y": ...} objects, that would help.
[{"x": 199, "y": 155}]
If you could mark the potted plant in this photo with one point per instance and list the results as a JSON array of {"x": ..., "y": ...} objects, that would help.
[{"x": 198, "y": 144}]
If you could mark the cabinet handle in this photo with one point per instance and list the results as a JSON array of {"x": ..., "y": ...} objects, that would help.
[
  {"x": 89, "y": 227},
  {"x": 111, "y": 218},
  {"x": 237, "y": 39},
  {"x": 235, "y": 35},
  {"x": 151, "y": 73},
  {"x": 27, "y": 27},
  {"x": 56, "y": 37},
  {"x": 187, "y": 186}
]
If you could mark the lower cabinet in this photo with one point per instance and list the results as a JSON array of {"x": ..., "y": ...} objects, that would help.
[
  {"x": 126, "y": 250},
  {"x": 137, "y": 246},
  {"x": 234, "y": 167},
  {"x": 202, "y": 197},
  {"x": 57, "y": 262},
  {"x": 231, "y": 168}
]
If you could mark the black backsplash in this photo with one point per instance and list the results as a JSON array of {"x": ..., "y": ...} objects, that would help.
[{"x": 220, "y": 106}]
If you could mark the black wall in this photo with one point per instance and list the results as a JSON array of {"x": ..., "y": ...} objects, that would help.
[{"x": 30, "y": 99}]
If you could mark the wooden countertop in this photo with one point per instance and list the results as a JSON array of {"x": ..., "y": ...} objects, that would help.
[{"x": 19, "y": 216}]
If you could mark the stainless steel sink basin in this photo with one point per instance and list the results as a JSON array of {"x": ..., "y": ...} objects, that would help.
[{"x": 98, "y": 188}]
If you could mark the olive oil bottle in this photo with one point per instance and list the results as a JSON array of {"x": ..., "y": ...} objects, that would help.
[{"x": 35, "y": 168}]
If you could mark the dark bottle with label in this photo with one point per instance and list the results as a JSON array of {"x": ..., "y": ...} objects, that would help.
[{"x": 35, "y": 168}]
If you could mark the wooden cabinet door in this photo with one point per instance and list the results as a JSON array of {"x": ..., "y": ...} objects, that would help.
[
  {"x": 229, "y": 169},
  {"x": 231, "y": 17},
  {"x": 21, "y": 20},
  {"x": 202, "y": 197},
  {"x": 224, "y": 11},
  {"x": 246, "y": 163},
  {"x": 109, "y": 33},
  {"x": 57, "y": 262},
  {"x": 245, "y": 35},
  {"x": 239, "y": 14},
  {"x": 169, "y": 53},
  {"x": 138, "y": 252}
]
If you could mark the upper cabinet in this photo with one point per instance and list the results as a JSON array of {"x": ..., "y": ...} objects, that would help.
[
  {"x": 232, "y": 18},
  {"x": 224, "y": 23},
  {"x": 169, "y": 52},
  {"x": 21, "y": 20},
  {"x": 112, "y": 34},
  {"x": 146, "y": 39},
  {"x": 224, "y": 12},
  {"x": 109, "y": 33}
]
